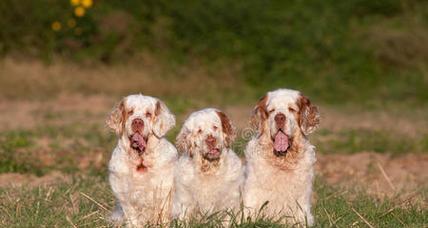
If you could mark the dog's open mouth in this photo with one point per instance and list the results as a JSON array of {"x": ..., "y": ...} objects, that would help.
[
  {"x": 213, "y": 154},
  {"x": 138, "y": 142},
  {"x": 281, "y": 143}
]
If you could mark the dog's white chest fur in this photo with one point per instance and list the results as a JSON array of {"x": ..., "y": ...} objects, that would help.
[
  {"x": 197, "y": 191},
  {"x": 286, "y": 191},
  {"x": 144, "y": 195}
]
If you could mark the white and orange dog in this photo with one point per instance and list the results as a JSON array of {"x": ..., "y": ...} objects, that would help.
[
  {"x": 141, "y": 166},
  {"x": 209, "y": 175},
  {"x": 280, "y": 159}
]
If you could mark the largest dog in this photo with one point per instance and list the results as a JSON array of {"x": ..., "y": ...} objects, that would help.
[
  {"x": 141, "y": 166},
  {"x": 280, "y": 158}
]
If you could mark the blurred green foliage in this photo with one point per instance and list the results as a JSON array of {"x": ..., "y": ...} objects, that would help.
[{"x": 336, "y": 51}]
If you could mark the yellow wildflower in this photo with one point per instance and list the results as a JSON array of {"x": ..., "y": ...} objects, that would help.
[
  {"x": 71, "y": 23},
  {"x": 79, "y": 11},
  {"x": 87, "y": 3},
  {"x": 56, "y": 26},
  {"x": 75, "y": 2}
]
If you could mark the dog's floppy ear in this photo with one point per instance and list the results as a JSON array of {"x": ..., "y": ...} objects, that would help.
[
  {"x": 164, "y": 119},
  {"x": 227, "y": 127},
  {"x": 260, "y": 113},
  {"x": 309, "y": 117},
  {"x": 183, "y": 143},
  {"x": 116, "y": 119}
]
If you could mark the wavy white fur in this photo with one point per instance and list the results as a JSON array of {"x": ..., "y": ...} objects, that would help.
[
  {"x": 206, "y": 183},
  {"x": 283, "y": 179},
  {"x": 142, "y": 181}
]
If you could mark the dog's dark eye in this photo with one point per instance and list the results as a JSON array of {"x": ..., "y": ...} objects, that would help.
[
  {"x": 199, "y": 131},
  {"x": 273, "y": 110},
  {"x": 215, "y": 128},
  {"x": 148, "y": 114},
  {"x": 130, "y": 112},
  {"x": 292, "y": 109}
]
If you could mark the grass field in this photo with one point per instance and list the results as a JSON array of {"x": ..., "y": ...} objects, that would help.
[{"x": 55, "y": 147}]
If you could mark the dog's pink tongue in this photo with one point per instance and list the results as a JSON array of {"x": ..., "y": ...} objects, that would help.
[
  {"x": 138, "y": 142},
  {"x": 281, "y": 141}
]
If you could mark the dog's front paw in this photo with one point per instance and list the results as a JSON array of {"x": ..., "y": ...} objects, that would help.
[{"x": 117, "y": 216}]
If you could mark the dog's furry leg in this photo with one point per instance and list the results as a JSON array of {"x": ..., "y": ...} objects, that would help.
[{"x": 117, "y": 216}]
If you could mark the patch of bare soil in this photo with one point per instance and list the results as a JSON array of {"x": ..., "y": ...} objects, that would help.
[
  {"x": 64, "y": 109},
  {"x": 31, "y": 78},
  {"x": 69, "y": 108},
  {"x": 411, "y": 124},
  {"x": 379, "y": 174},
  {"x": 29, "y": 180}
]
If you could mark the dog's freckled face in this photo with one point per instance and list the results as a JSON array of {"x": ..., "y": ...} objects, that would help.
[{"x": 207, "y": 132}]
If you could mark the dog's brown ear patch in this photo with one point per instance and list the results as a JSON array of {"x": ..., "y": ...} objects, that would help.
[
  {"x": 309, "y": 117},
  {"x": 158, "y": 108},
  {"x": 117, "y": 117},
  {"x": 182, "y": 142},
  {"x": 260, "y": 113},
  {"x": 227, "y": 128}
]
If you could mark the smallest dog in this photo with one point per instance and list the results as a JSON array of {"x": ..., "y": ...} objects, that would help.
[{"x": 209, "y": 175}]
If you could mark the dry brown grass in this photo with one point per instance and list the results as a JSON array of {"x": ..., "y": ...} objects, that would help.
[
  {"x": 31, "y": 181},
  {"x": 380, "y": 175},
  {"x": 31, "y": 79},
  {"x": 398, "y": 121}
]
